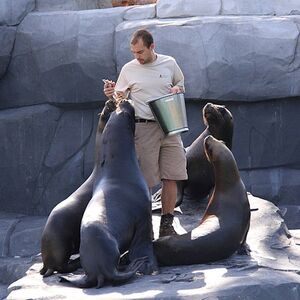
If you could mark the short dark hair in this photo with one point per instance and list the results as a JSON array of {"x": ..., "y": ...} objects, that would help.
[{"x": 144, "y": 35}]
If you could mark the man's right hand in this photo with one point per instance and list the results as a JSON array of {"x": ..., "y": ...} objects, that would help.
[{"x": 109, "y": 88}]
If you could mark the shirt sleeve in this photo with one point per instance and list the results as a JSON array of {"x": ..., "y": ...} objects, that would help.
[
  {"x": 122, "y": 84},
  {"x": 178, "y": 78}
]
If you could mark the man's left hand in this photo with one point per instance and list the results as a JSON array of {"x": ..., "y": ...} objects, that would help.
[{"x": 175, "y": 89}]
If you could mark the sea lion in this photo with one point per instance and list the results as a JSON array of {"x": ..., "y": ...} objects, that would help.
[
  {"x": 219, "y": 123},
  {"x": 61, "y": 235},
  {"x": 224, "y": 226},
  {"x": 118, "y": 217}
]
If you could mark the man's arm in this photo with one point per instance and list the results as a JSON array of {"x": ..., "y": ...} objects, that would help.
[{"x": 178, "y": 80}]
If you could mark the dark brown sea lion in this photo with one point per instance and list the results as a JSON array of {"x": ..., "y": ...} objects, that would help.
[
  {"x": 219, "y": 123},
  {"x": 61, "y": 235},
  {"x": 224, "y": 226},
  {"x": 118, "y": 217}
]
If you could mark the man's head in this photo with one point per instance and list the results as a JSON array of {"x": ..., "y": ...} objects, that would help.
[{"x": 142, "y": 46}]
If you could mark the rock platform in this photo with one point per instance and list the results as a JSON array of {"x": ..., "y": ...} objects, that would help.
[{"x": 272, "y": 271}]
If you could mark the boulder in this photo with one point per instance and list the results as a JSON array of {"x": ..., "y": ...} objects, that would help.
[
  {"x": 7, "y": 38},
  {"x": 23, "y": 153},
  {"x": 61, "y": 57},
  {"x": 190, "y": 8},
  {"x": 290, "y": 214},
  {"x": 21, "y": 238},
  {"x": 12, "y": 12},
  {"x": 58, "y": 5},
  {"x": 42, "y": 176},
  {"x": 264, "y": 7},
  {"x": 228, "y": 58},
  {"x": 25, "y": 240},
  {"x": 140, "y": 12},
  {"x": 232, "y": 58}
]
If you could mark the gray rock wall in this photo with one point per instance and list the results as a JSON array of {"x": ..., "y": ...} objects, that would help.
[
  {"x": 7, "y": 38},
  {"x": 227, "y": 58},
  {"x": 12, "y": 12},
  {"x": 188, "y": 8},
  {"x": 51, "y": 90}
]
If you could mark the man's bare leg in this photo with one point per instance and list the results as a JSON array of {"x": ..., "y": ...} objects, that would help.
[{"x": 168, "y": 201}]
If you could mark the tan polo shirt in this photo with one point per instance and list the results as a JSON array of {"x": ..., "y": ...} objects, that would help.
[{"x": 149, "y": 81}]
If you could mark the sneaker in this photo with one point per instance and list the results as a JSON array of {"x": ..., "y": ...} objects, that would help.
[{"x": 166, "y": 227}]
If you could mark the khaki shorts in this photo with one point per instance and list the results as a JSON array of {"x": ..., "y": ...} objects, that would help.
[{"x": 159, "y": 156}]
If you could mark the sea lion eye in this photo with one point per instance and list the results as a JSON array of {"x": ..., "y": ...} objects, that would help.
[{"x": 222, "y": 110}]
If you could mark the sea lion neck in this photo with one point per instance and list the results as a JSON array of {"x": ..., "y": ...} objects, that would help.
[{"x": 226, "y": 172}]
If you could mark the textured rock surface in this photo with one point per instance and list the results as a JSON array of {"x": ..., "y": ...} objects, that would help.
[
  {"x": 290, "y": 214},
  {"x": 58, "y": 5},
  {"x": 61, "y": 57},
  {"x": 228, "y": 58},
  {"x": 23, "y": 152},
  {"x": 3, "y": 291},
  {"x": 271, "y": 270},
  {"x": 265, "y": 145},
  {"x": 183, "y": 8},
  {"x": 266, "y": 7},
  {"x": 12, "y": 12},
  {"x": 7, "y": 38},
  {"x": 140, "y": 12},
  {"x": 51, "y": 143},
  {"x": 188, "y": 8},
  {"x": 232, "y": 58},
  {"x": 20, "y": 236},
  {"x": 48, "y": 161}
]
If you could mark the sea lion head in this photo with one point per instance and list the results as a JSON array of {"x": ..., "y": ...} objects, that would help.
[
  {"x": 125, "y": 105},
  {"x": 125, "y": 111},
  {"x": 215, "y": 149},
  {"x": 219, "y": 121}
]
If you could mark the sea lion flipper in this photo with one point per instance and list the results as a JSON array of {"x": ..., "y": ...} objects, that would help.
[
  {"x": 43, "y": 270},
  {"x": 133, "y": 267},
  {"x": 73, "y": 265},
  {"x": 82, "y": 282},
  {"x": 244, "y": 249},
  {"x": 48, "y": 273}
]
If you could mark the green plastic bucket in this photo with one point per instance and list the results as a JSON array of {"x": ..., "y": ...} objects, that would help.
[{"x": 170, "y": 113}]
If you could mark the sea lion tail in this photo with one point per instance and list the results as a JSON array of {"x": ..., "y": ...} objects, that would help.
[
  {"x": 83, "y": 281},
  {"x": 133, "y": 267}
]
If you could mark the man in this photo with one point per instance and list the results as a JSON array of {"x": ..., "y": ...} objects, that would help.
[{"x": 149, "y": 76}]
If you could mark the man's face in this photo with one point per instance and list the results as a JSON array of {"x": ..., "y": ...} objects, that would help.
[{"x": 143, "y": 54}]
